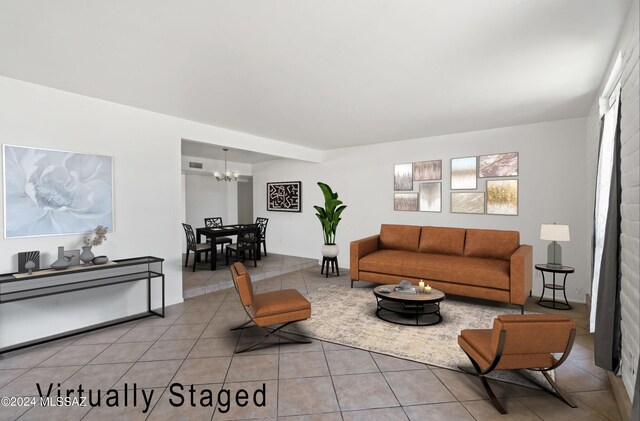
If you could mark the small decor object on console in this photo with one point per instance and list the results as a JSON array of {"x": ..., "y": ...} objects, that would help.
[
  {"x": 99, "y": 236},
  {"x": 100, "y": 260},
  {"x": 28, "y": 256},
  {"x": 74, "y": 256},
  {"x": 63, "y": 261},
  {"x": 87, "y": 255}
]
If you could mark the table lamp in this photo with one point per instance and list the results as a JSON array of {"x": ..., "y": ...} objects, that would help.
[{"x": 554, "y": 233}]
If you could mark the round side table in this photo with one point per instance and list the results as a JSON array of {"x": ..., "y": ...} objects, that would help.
[{"x": 557, "y": 305}]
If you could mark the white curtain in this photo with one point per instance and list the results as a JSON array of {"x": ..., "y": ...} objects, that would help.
[{"x": 603, "y": 190}]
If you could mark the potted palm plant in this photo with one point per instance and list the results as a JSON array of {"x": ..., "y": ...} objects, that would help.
[{"x": 329, "y": 217}]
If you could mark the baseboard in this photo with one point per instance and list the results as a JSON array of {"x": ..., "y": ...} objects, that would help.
[{"x": 620, "y": 393}]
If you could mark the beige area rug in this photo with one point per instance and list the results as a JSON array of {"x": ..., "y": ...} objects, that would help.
[{"x": 346, "y": 316}]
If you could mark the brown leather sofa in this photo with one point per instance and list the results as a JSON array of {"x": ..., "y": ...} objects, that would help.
[{"x": 488, "y": 264}]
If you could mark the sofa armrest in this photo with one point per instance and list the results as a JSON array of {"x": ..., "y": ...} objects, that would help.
[
  {"x": 521, "y": 274},
  {"x": 359, "y": 249}
]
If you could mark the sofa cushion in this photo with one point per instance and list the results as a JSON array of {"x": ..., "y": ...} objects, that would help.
[
  {"x": 383, "y": 261},
  {"x": 442, "y": 240},
  {"x": 490, "y": 273},
  {"x": 399, "y": 237},
  {"x": 491, "y": 244},
  {"x": 427, "y": 266}
]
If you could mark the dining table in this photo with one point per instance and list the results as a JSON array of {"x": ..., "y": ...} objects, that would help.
[{"x": 223, "y": 231}]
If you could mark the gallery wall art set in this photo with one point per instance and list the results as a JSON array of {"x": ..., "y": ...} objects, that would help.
[{"x": 497, "y": 170}]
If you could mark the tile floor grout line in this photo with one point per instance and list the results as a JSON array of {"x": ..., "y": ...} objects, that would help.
[
  {"x": 388, "y": 385},
  {"x": 333, "y": 385}
]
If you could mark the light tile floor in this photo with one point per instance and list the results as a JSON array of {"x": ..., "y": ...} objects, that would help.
[{"x": 317, "y": 381}]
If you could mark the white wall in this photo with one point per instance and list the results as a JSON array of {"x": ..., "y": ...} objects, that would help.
[
  {"x": 145, "y": 147},
  {"x": 552, "y": 189},
  {"x": 207, "y": 197},
  {"x": 628, "y": 46}
]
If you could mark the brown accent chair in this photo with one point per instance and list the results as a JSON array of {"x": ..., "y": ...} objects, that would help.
[
  {"x": 519, "y": 342},
  {"x": 269, "y": 308}
]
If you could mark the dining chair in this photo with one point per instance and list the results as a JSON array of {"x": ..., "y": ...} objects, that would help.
[
  {"x": 196, "y": 248},
  {"x": 216, "y": 223},
  {"x": 269, "y": 308},
  {"x": 526, "y": 341},
  {"x": 247, "y": 241},
  {"x": 262, "y": 223}
]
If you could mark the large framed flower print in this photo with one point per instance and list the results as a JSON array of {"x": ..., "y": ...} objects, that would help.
[{"x": 49, "y": 192}]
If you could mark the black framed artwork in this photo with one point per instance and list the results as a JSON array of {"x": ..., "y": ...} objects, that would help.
[{"x": 284, "y": 196}]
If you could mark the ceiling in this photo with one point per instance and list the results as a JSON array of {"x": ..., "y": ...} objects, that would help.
[
  {"x": 322, "y": 74},
  {"x": 207, "y": 150}
]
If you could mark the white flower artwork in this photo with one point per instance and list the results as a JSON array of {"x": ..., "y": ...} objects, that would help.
[{"x": 48, "y": 192}]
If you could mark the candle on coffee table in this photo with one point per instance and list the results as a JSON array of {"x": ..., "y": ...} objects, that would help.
[
  {"x": 427, "y": 289},
  {"x": 421, "y": 286}
]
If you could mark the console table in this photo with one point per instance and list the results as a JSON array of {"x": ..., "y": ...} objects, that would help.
[{"x": 20, "y": 286}]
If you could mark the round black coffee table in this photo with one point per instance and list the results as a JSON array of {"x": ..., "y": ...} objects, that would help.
[{"x": 407, "y": 308}]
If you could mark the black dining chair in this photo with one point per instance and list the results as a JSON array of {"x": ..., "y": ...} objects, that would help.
[
  {"x": 262, "y": 223},
  {"x": 247, "y": 241},
  {"x": 215, "y": 223},
  {"x": 196, "y": 248}
]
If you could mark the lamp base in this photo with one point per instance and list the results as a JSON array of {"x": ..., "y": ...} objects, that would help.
[{"x": 554, "y": 255}]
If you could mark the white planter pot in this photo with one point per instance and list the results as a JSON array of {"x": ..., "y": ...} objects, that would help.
[{"x": 329, "y": 250}]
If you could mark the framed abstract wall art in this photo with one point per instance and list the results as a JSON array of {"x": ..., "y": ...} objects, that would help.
[
  {"x": 427, "y": 170},
  {"x": 51, "y": 192},
  {"x": 405, "y": 201},
  {"x": 502, "y": 197},
  {"x": 403, "y": 177},
  {"x": 463, "y": 173},
  {"x": 430, "y": 195},
  {"x": 498, "y": 165},
  {"x": 284, "y": 196},
  {"x": 467, "y": 202}
]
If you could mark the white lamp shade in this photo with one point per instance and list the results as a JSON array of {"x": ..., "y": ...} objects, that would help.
[{"x": 554, "y": 232}]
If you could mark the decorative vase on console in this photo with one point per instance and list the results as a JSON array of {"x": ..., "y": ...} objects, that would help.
[
  {"x": 98, "y": 237},
  {"x": 63, "y": 261},
  {"x": 87, "y": 255}
]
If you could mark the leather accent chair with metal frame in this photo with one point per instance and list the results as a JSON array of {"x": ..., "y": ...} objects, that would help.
[
  {"x": 269, "y": 308},
  {"x": 195, "y": 247},
  {"x": 519, "y": 342},
  {"x": 216, "y": 223}
]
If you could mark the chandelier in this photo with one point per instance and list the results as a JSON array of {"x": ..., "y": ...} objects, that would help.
[{"x": 227, "y": 175}]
